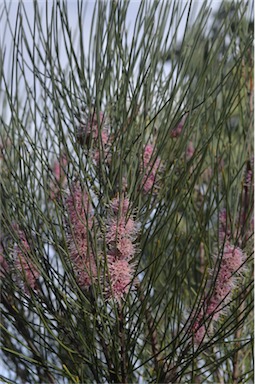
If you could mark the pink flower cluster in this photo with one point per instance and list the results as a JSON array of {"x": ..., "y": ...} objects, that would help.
[
  {"x": 150, "y": 168},
  {"x": 22, "y": 260},
  {"x": 121, "y": 232},
  {"x": 79, "y": 225},
  {"x": 223, "y": 284},
  {"x": 120, "y": 236}
]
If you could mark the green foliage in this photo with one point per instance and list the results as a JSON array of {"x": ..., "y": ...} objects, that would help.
[{"x": 57, "y": 68}]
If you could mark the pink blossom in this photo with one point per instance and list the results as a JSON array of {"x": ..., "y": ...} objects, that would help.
[
  {"x": 120, "y": 205},
  {"x": 120, "y": 236},
  {"x": 147, "y": 154},
  {"x": 151, "y": 168},
  {"x": 120, "y": 278},
  {"x": 125, "y": 248},
  {"x": 232, "y": 259},
  {"x": 231, "y": 263},
  {"x": 190, "y": 150},
  {"x": 149, "y": 181},
  {"x": 104, "y": 137},
  {"x": 79, "y": 224},
  {"x": 22, "y": 260},
  {"x": 199, "y": 332},
  {"x": 119, "y": 228}
]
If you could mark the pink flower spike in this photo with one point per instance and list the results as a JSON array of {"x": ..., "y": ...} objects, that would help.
[
  {"x": 119, "y": 228},
  {"x": 125, "y": 248},
  {"x": 233, "y": 258},
  {"x": 23, "y": 262},
  {"x": 231, "y": 262},
  {"x": 151, "y": 168},
  {"x": 120, "y": 236},
  {"x": 199, "y": 333},
  {"x": 120, "y": 205},
  {"x": 120, "y": 275},
  {"x": 79, "y": 224}
]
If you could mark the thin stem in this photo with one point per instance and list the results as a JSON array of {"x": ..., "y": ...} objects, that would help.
[
  {"x": 24, "y": 332},
  {"x": 152, "y": 334},
  {"x": 122, "y": 346}
]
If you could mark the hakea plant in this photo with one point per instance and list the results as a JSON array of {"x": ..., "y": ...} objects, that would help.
[{"x": 108, "y": 274}]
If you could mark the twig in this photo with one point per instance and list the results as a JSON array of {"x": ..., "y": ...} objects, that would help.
[
  {"x": 122, "y": 346},
  {"x": 24, "y": 332},
  {"x": 236, "y": 357},
  {"x": 113, "y": 376},
  {"x": 152, "y": 333}
]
